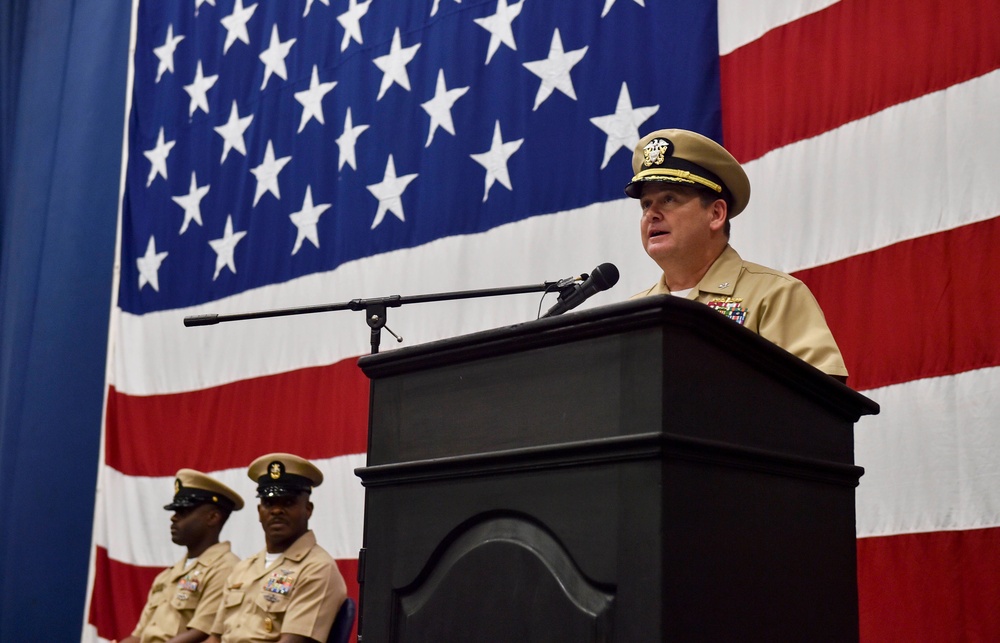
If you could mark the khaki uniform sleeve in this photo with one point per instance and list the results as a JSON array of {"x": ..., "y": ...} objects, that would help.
[
  {"x": 211, "y": 596},
  {"x": 153, "y": 598},
  {"x": 147, "y": 611},
  {"x": 314, "y": 604},
  {"x": 793, "y": 320},
  {"x": 218, "y": 625}
]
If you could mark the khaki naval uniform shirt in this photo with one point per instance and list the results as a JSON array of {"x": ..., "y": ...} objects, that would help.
[
  {"x": 299, "y": 593},
  {"x": 182, "y": 599},
  {"x": 776, "y": 306}
]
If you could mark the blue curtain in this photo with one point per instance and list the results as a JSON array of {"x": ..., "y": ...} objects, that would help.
[{"x": 62, "y": 94}]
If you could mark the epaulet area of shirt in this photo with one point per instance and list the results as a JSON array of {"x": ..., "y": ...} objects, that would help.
[{"x": 758, "y": 269}]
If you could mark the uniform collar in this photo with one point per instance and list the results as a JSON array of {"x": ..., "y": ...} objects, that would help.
[
  {"x": 213, "y": 553},
  {"x": 207, "y": 557},
  {"x": 720, "y": 278},
  {"x": 301, "y": 547},
  {"x": 722, "y": 275}
]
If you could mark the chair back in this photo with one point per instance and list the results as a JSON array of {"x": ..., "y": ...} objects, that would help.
[{"x": 340, "y": 631}]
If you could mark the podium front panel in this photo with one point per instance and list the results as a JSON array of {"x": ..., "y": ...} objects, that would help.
[{"x": 635, "y": 474}]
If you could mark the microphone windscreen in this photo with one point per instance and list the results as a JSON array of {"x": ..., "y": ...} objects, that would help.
[{"x": 605, "y": 276}]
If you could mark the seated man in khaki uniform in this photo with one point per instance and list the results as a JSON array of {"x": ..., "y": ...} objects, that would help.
[
  {"x": 689, "y": 188},
  {"x": 184, "y": 598},
  {"x": 290, "y": 591}
]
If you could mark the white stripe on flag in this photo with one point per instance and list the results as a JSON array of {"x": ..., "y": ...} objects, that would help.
[
  {"x": 914, "y": 169},
  {"x": 528, "y": 252},
  {"x": 742, "y": 22},
  {"x": 930, "y": 456}
]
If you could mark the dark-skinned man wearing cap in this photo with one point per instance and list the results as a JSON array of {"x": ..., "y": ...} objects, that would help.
[
  {"x": 183, "y": 600},
  {"x": 290, "y": 591},
  {"x": 689, "y": 188}
]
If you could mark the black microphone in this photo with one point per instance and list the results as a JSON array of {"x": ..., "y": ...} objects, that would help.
[{"x": 603, "y": 277}]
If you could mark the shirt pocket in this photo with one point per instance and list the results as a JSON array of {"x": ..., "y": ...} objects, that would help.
[
  {"x": 187, "y": 592},
  {"x": 232, "y": 597},
  {"x": 157, "y": 598},
  {"x": 271, "y": 602}
]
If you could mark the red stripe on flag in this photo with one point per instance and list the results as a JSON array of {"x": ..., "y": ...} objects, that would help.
[
  {"x": 319, "y": 412},
  {"x": 848, "y": 61},
  {"x": 915, "y": 309},
  {"x": 120, "y": 592},
  {"x": 956, "y": 572}
]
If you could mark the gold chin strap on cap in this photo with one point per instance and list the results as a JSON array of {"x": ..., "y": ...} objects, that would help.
[{"x": 684, "y": 175}]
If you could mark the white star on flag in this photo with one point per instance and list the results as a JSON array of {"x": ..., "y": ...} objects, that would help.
[
  {"x": 149, "y": 265},
  {"x": 389, "y": 193},
  {"x": 350, "y": 20},
  {"x": 309, "y": 4},
  {"x": 198, "y": 91},
  {"x": 499, "y": 26},
  {"x": 434, "y": 9},
  {"x": 158, "y": 157},
  {"x": 495, "y": 161},
  {"x": 198, "y": 3},
  {"x": 165, "y": 53},
  {"x": 312, "y": 99},
  {"x": 622, "y": 127},
  {"x": 225, "y": 248},
  {"x": 267, "y": 173},
  {"x": 191, "y": 202},
  {"x": 439, "y": 107},
  {"x": 274, "y": 57},
  {"x": 236, "y": 25},
  {"x": 232, "y": 132},
  {"x": 610, "y": 3},
  {"x": 393, "y": 65},
  {"x": 347, "y": 141},
  {"x": 305, "y": 220},
  {"x": 554, "y": 70}
]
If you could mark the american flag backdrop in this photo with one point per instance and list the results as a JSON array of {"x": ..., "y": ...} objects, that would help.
[{"x": 294, "y": 152}]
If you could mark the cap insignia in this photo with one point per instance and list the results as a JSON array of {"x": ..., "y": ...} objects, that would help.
[
  {"x": 275, "y": 469},
  {"x": 177, "y": 486},
  {"x": 656, "y": 152}
]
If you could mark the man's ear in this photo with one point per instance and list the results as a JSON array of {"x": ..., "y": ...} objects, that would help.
[
  {"x": 214, "y": 517},
  {"x": 719, "y": 210}
]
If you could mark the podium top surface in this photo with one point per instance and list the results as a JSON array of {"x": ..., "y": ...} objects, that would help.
[{"x": 677, "y": 317}]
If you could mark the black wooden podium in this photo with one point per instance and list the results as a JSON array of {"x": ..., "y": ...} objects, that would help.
[{"x": 647, "y": 471}]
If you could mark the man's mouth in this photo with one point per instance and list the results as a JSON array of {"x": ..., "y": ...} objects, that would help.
[{"x": 657, "y": 233}]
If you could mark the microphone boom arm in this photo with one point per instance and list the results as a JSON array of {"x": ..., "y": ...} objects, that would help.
[{"x": 375, "y": 308}]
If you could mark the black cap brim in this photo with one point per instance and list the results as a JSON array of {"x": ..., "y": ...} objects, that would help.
[
  {"x": 183, "y": 503},
  {"x": 280, "y": 491}
]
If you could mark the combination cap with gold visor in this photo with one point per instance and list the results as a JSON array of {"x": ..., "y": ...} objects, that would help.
[{"x": 687, "y": 158}]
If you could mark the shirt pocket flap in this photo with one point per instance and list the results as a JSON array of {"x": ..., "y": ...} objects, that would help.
[
  {"x": 232, "y": 598},
  {"x": 270, "y": 602}
]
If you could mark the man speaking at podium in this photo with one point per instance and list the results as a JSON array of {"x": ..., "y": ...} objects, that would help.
[{"x": 689, "y": 187}]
